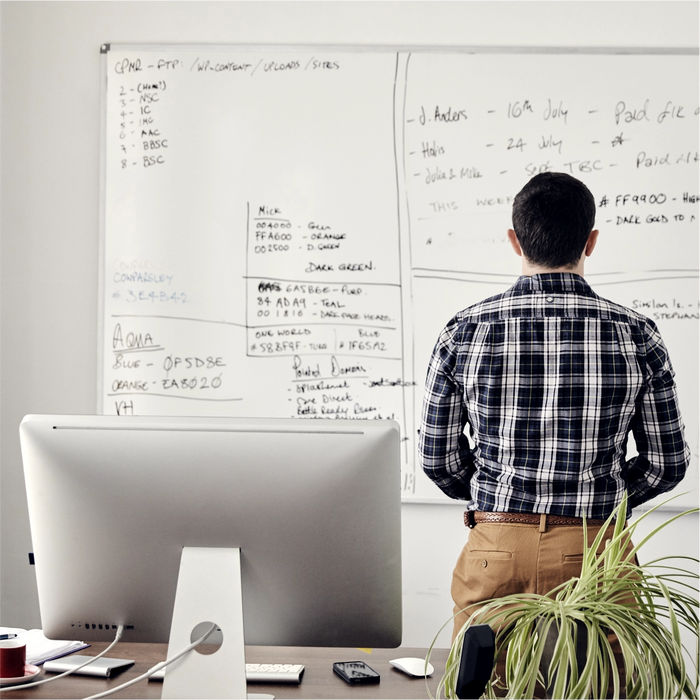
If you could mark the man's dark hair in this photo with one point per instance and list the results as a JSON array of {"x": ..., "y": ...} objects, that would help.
[{"x": 553, "y": 216}]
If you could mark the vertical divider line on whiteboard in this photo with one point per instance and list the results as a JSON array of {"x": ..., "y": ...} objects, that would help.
[
  {"x": 409, "y": 375},
  {"x": 404, "y": 279},
  {"x": 247, "y": 258}
]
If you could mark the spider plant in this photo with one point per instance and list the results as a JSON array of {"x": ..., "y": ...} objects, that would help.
[{"x": 644, "y": 606}]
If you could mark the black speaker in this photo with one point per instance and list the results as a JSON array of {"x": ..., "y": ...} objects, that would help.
[{"x": 476, "y": 662}]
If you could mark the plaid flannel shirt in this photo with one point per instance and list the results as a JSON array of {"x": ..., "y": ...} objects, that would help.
[{"x": 550, "y": 379}]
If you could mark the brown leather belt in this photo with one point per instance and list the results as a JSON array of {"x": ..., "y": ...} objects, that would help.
[{"x": 472, "y": 518}]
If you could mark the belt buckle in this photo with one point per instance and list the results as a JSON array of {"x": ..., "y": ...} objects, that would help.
[{"x": 469, "y": 519}]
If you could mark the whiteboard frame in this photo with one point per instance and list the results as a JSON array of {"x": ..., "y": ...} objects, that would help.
[{"x": 106, "y": 47}]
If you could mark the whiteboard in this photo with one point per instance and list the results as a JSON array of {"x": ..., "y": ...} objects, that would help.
[{"x": 285, "y": 231}]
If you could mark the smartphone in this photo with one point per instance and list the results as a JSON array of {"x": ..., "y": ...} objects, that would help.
[{"x": 356, "y": 672}]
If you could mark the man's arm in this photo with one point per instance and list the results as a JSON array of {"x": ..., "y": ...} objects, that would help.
[
  {"x": 663, "y": 454},
  {"x": 443, "y": 448}
]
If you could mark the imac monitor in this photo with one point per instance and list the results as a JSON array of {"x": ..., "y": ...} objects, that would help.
[{"x": 312, "y": 506}]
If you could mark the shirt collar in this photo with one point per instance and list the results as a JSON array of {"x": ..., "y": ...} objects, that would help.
[{"x": 553, "y": 282}]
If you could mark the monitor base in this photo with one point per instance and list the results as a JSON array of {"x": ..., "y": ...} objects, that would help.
[{"x": 208, "y": 589}]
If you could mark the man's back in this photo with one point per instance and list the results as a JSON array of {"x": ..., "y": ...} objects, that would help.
[{"x": 551, "y": 378}]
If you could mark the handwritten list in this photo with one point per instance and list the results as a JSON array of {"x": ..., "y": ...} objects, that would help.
[{"x": 286, "y": 232}]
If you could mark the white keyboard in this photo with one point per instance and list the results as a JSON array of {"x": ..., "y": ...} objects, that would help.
[
  {"x": 261, "y": 673},
  {"x": 274, "y": 673}
]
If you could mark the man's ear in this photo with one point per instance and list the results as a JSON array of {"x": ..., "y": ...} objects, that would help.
[
  {"x": 514, "y": 242},
  {"x": 592, "y": 240}
]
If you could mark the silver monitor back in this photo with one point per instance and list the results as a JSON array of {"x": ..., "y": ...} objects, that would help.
[{"x": 314, "y": 507}]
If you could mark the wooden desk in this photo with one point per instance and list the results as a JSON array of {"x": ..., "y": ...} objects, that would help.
[{"x": 319, "y": 680}]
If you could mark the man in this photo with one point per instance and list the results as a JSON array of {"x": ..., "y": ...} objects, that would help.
[{"x": 549, "y": 379}]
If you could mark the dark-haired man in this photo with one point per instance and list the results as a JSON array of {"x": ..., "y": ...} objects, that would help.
[{"x": 549, "y": 379}]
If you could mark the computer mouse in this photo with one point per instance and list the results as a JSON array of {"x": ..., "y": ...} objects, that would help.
[{"x": 412, "y": 667}]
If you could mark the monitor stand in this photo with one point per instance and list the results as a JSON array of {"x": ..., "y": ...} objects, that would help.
[{"x": 208, "y": 590}]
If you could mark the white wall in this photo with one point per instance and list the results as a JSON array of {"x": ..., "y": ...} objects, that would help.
[{"x": 50, "y": 102}]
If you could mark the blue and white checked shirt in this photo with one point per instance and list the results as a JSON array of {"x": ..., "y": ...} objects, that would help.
[{"x": 549, "y": 379}]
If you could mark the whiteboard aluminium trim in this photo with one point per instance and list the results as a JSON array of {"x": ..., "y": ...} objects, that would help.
[
  {"x": 426, "y": 501},
  {"x": 636, "y": 513},
  {"x": 379, "y": 48},
  {"x": 260, "y": 152},
  {"x": 101, "y": 233}
]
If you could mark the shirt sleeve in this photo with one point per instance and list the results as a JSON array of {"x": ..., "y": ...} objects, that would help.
[
  {"x": 443, "y": 448},
  {"x": 658, "y": 430}
]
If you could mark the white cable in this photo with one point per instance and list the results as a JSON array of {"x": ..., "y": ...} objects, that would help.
[
  {"x": 117, "y": 637},
  {"x": 155, "y": 668}
]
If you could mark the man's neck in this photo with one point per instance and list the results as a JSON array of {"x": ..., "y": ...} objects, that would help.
[{"x": 529, "y": 270}]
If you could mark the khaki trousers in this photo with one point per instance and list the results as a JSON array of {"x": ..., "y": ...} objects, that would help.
[{"x": 502, "y": 559}]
